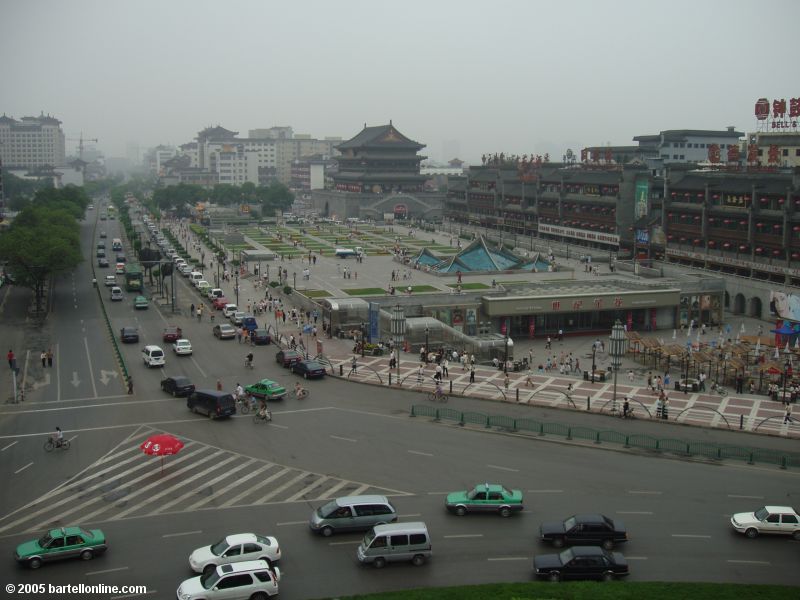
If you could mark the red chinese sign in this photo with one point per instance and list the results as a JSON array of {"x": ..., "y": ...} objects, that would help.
[
  {"x": 713, "y": 153},
  {"x": 733, "y": 153},
  {"x": 780, "y": 113},
  {"x": 773, "y": 155}
]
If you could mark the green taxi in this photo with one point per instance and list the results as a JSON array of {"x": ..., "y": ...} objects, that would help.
[
  {"x": 140, "y": 302},
  {"x": 65, "y": 542},
  {"x": 267, "y": 389},
  {"x": 485, "y": 497}
]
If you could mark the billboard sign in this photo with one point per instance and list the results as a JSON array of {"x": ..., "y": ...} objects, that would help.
[
  {"x": 374, "y": 322},
  {"x": 779, "y": 114},
  {"x": 786, "y": 306},
  {"x": 642, "y": 193}
]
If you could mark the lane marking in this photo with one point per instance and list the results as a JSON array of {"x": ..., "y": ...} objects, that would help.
[
  {"x": 463, "y": 535},
  {"x": 74, "y": 437},
  {"x": 503, "y": 468},
  {"x": 58, "y": 375},
  {"x": 691, "y": 536},
  {"x": 23, "y": 468},
  {"x": 419, "y": 453},
  {"x": 651, "y": 492},
  {"x": 634, "y": 512},
  {"x": 746, "y": 497},
  {"x": 91, "y": 370},
  {"x": 545, "y": 491},
  {"x": 344, "y": 439},
  {"x": 196, "y": 364},
  {"x": 760, "y": 563},
  {"x": 343, "y": 543},
  {"x": 509, "y": 558},
  {"x": 182, "y": 533},
  {"x": 90, "y": 573},
  {"x": 148, "y": 593},
  {"x": 635, "y": 557},
  {"x": 291, "y": 523},
  {"x": 9, "y": 446},
  {"x": 408, "y": 516}
]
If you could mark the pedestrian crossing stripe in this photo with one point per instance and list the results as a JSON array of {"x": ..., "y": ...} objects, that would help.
[{"x": 125, "y": 484}]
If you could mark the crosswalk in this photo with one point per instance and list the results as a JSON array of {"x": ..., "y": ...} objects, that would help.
[{"x": 125, "y": 483}]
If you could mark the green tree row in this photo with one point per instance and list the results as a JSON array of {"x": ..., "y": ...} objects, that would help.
[
  {"x": 270, "y": 198},
  {"x": 44, "y": 238}
]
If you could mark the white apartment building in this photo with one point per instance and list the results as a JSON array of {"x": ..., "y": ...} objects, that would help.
[
  {"x": 687, "y": 145},
  {"x": 32, "y": 142}
]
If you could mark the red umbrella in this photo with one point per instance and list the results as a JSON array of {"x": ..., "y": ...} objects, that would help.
[{"x": 161, "y": 445}]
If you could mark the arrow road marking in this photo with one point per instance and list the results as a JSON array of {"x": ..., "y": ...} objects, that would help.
[
  {"x": 75, "y": 381},
  {"x": 38, "y": 384},
  {"x": 104, "y": 376}
]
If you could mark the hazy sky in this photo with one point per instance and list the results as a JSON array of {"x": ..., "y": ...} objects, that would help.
[{"x": 510, "y": 76}]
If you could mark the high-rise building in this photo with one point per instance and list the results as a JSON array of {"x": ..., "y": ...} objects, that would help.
[{"x": 31, "y": 142}]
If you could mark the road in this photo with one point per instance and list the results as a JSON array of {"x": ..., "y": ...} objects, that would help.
[{"x": 235, "y": 476}]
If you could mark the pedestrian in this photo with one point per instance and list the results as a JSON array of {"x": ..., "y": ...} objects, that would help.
[
  {"x": 437, "y": 375},
  {"x": 739, "y": 383},
  {"x": 630, "y": 375},
  {"x": 472, "y": 373},
  {"x": 530, "y": 356},
  {"x": 529, "y": 376},
  {"x": 10, "y": 357},
  {"x": 420, "y": 372},
  {"x": 787, "y": 416},
  {"x": 445, "y": 365},
  {"x": 239, "y": 332},
  {"x": 130, "y": 385},
  {"x": 191, "y": 309},
  {"x": 43, "y": 356},
  {"x": 506, "y": 381},
  {"x": 560, "y": 335},
  {"x": 547, "y": 345},
  {"x": 353, "y": 364},
  {"x": 219, "y": 385},
  {"x": 665, "y": 408}
]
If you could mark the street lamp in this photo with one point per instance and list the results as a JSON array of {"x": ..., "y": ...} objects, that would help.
[
  {"x": 787, "y": 372},
  {"x": 686, "y": 372},
  {"x": 427, "y": 349},
  {"x": 294, "y": 277},
  {"x": 236, "y": 285},
  {"x": 617, "y": 348},
  {"x": 594, "y": 365},
  {"x": 362, "y": 339},
  {"x": 505, "y": 353},
  {"x": 398, "y": 329}
]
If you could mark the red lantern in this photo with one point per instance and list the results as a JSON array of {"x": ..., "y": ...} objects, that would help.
[
  {"x": 698, "y": 242},
  {"x": 796, "y": 228},
  {"x": 763, "y": 200},
  {"x": 716, "y": 196},
  {"x": 712, "y": 243},
  {"x": 759, "y": 250},
  {"x": 700, "y": 194},
  {"x": 670, "y": 237},
  {"x": 795, "y": 255},
  {"x": 726, "y": 245},
  {"x": 742, "y": 223},
  {"x": 742, "y": 247},
  {"x": 781, "y": 200},
  {"x": 674, "y": 194},
  {"x": 727, "y": 221},
  {"x": 697, "y": 217},
  {"x": 683, "y": 239},
  {"x": 776, "y": 252},
  {"x": 759, "y": 225}
]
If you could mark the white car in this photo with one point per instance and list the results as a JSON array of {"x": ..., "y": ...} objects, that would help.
[
  {"x": 774, "y": 520},
  {"x": 182, "y": 347},
  {"x": 234, "y": 549},
  {"x": 215, "y": 293},
  {"x": 237, "y": 317},
  {"x": 229, "y": 310},
  {"x": 248, "y": 579},
  {"x": 184, "y": 269},
  {"x": 110, "y": 280}
]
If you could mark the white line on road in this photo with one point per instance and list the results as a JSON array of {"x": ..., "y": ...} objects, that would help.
[
  {"x": 545, "y": 491},
  {"x": 760, "y": 563},
  {"x": 344, "y": 439},
  {"x": 463, "y": 535},
  {"x": 196, "y": 364},
  {"x": 106, "y": 571},
  {"x": 634, "y": 512},
  {"x": 147, "y": 593},
  {"x": 7, "y": 447},
  {"x": 91, "y": 370},
  {"x": 410, "y": 515},
  {"x": 344, "y": 543},
  {"x": 182, "y": 533},
  {"x": 746, "y": 497},
  {"x": 274, "y": 424},
  {"x": 74, "y": 437},
  {"x": 635, "y": 557},
  {"x": 503, "y": 468},
  {"x": 509, "y": 558},
  {"x": 420, "y": 453},
  {"x": 690, "y": 535},
  {"x": 651, "y": 492},
  {"x": 58, "y": 376},
  {"x": 23, "y": 468},
  {"x": 291, "y": 523}
]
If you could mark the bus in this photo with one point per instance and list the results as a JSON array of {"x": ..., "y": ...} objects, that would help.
[{"x": 134, "y": 278}]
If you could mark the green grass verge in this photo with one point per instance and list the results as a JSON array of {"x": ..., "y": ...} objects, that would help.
[
  {"x": 470, "y": 286},
  {"x": 622, "y": 590},
  {"x": 316, "y": 293},
  {"x": 365, "y": 291}
]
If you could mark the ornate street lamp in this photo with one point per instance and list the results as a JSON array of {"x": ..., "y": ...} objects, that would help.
[
  {"x": 618, "y": 346},
  {"x": 787, "y": 373},
  {"x": 427, "y": 348},
  {"x": 398, "y": 330},
  {"x": 362, "y": 339}
]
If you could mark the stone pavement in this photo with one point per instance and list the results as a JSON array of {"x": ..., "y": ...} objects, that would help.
[{"x": 752, "y": 413}]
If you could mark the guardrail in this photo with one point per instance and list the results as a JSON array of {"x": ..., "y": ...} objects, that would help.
[{"x": 598, "y": 436}]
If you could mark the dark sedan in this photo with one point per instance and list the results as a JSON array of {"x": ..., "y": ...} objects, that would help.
[
  {"x": 584, "y": 529},
  {"x": 287, "y": 358},
  {"x": 102, "y": 263},
  {"x": 172, "y": 333},
  {"x": 129, "y": 335},
  {"x": 261, "y": 337},
  {"x": 580, "y": 562},
  {"x": 308, "y": 369},
  {"x": 177, "y": 386}
]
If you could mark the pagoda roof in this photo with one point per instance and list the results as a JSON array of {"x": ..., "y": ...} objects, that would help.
[
  {"x": 378, "y": 177},
  {"x": 387, "y": 153},
  {"x": 727, "y": 182},
  {"x": 5, "y": 119},
  {"x": 216, "y": 133},
  {"x": 381, "y": 136},
  {"x": 679, "y": 135}
]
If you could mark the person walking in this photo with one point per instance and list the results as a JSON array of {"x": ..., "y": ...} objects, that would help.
[
  {"x": 421, "y": 372},
  {"x": 547, "y": 346},
  {"x": 10, "y": 357},
  {"x": 353, "y": 365},
  {"x": 43, "y": 356},
  {"x": 739, "y": 383},
  {"x": 219, "y": 385},
  {"x": 529, "y": 376},
  {"x": 191, "y": 309},
  {"x": 472, "y": 373},
  {"x": 506, "y": 381},
  {"x": 49, "y": 357},
  {"x": 445, "y": 365},
  {"x": 787, "y": 416},
  {"x": 130, "y": 385}
]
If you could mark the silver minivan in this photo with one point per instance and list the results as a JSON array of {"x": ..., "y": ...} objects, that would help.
[
  {"x": 352, "y": 513},
  {"x": 394, "y": 543}
]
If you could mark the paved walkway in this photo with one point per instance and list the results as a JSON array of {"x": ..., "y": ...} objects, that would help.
[{"x": 752, "y": 413}]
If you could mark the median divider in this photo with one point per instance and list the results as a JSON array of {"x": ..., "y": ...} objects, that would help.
[{"x": 686, "y": 448}]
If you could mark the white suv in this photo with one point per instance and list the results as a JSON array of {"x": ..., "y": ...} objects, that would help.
[
  {"x": 775, "y": 520},
  {"x": 153, "y": 356},
  {"x": 247, "y": 579}
]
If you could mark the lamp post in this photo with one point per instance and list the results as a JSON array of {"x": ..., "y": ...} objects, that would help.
[
  {"x": 686, "y": 372},
  {"x": 594, "y": 365},
  {"x": 398, "y": 329},
  {"x": 294, "y": 277},
  {"x": 236, "y": 286},
  {"x": 505, "y": 348},
  {"x": 617, "y": 348},
  {"x": 427, "y": 349},
  {"x": 787, "y": 372},
  {"x": 362, "y": 339}
]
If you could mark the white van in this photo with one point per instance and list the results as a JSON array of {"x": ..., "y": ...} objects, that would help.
[
  {"x": 194, "y": 277},
  {"x": 396, "y": 542},
  {"x": 215, "y": 293},
  {"x": 153, "y": 356},
  {"x": 116, "y": 294}
]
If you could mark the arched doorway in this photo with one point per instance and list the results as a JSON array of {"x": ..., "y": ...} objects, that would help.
[
  {"x": 738, "y": 304},
  {"x": 727, "y": 301},
  {"x": 755, "y": 307}
]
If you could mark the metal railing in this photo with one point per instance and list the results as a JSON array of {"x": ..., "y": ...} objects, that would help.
[{"x": 686, "y": 448}]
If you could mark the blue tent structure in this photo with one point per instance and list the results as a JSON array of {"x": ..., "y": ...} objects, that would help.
[{"x": 481, "y": 256}]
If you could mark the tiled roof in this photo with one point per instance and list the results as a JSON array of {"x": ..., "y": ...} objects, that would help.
[{"x": 380, "y": 136}]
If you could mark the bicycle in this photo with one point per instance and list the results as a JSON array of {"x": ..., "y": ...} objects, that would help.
[
  {"x": 243, "y": 405},
  {"x": 248, "y": 364},
  {"x": 51, "y": 445},
  {"x": 715, "y": 387},
  {"x": 434, "y": 396},
  {"x": 262, "y": 418},
  {"x": 301, "y": 393}
]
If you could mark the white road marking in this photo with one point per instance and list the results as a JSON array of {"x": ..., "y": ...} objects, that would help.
[
  {"x": 255, "y": 487},
  {"x": 210, "y": 483},
  {"x": 148, "y": 593},
  {"x": 74, "y": 437},
  {"x": 690, "y": 535},
  {"x": 463, "y": 535},
  {"x": 651, "y": 492},
  {"x": 291, "y": 523},
  {"x": 503, "y": 468},
  {"x": 182, "y": 533},
  {"x": 7, "y": 447},
  {"x": 90, "y": 573},
  {"x": 545, "y": 491},
  {"x": 344, "y": 439},
  {"x": 91, "y": 370},
  {"x": 344, "y": 543},
  {"x": 297, "y": 478},
  {"x": 333, "y": 490},
  {"x": 274, "y": 424},
  {"x": 308, "y": 488},
  {"x": 746, "y": 497},
  {"x": 420, "y": 453},
  {"x": 509, "y": 558},
  {"x": 635, "y": 557},
  {"x": 196, "y": 364},
  {"x": 23, "y": 468},
  {"x": 634, "y": 512},
  {"x": 58, "y": 375},
  {"x": 761, "y": 563}
]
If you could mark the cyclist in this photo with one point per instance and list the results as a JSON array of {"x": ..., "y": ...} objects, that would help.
[
  {"x": 58, "y": 437},
  {"x": 626, "y": 408},
  {"x": 248, "y": 360},
  {"x": 299, "y": 390},
  {"x": 94, "y": 281},
  {"x": 239, "y": 392},
  {"x": 438, "y": 392}
]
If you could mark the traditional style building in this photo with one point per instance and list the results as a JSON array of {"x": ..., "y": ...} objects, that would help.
[{"x": 379, "y": 174}]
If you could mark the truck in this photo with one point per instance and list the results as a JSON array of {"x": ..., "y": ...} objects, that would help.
[
  {"x": 345, "y": 252},
  {"x": 134, "y": 278}
]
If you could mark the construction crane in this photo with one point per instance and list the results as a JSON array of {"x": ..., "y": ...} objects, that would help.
[{"x": 80, "y": 141}]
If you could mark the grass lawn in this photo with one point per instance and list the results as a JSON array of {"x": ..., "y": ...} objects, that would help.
[
  {"x": 316, "y": 293},
  {"x": 365, "y": 291},
  {"x": 618, "y": 590},
  {"x": 470, "y": 286}
]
